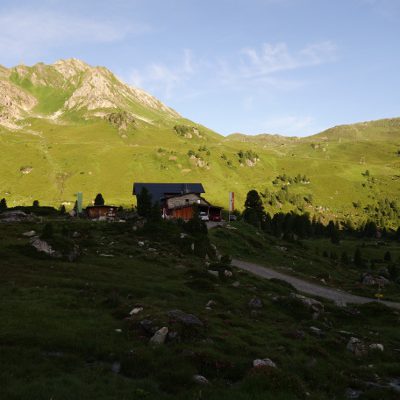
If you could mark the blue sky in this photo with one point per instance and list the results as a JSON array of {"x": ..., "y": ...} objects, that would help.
[{"x": 293, "y": 67}]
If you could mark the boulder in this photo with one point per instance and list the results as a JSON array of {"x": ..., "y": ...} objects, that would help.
[
  {"x": 211, "y": 303},
  {"x": 43, "y": 247},
  {"x": 263, "y": 362},
  {"x": 74, "y": 254},
  {"x": 376, "y": 346},
  {"x": 15, "y": 216},
  {"x": 184, "y": 318},
  {"x": 255, "y": 303},
  {"x": 136, "y": 310},
  {"x": 316, "y": 331},
  {"x": 314, "y": 305},
  {"x": 200, "y": 380},
  {"x": 29, "y": 234},
  {"x": 160, "y": 336},
  {"x": 228, "y": 274},
  {"x": 356, "y": 346}
]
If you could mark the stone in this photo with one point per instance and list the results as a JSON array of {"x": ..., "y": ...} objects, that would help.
[
  {"x": 255, "y": 303},
  {"x": 236, "y": 284},
  {"x": 74, "y": 254},
  {"x": 200, "y": 380},
  {"x": 29, "y": 234},
  {"x": 352, "y": 393},
  {"x": 376, "y": 346},
  {"x": 316, "y": 331},
  {"x": 140, "y": 243},
  {"x": 184, "y": 318},
  {"x": 312, "y": 304},
  {"x": 356, "y": 346},
  {"x": 43, "y": 247},
  {"x": 228, "y": 274},
  {"x": 116, "y": 367},
  {"x": 76, "y": 235},
  {"x": 212, "y": 272},
  {"x": 211, "y": 303},
  {"x": 136, "y": 310},
  {"x": 15, "y": 216},
  {"x": 263, "y": 362},
  {"x": 160, "y": 336}
]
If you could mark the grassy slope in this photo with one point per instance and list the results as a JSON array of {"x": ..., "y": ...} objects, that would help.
[
  {"x": 58, "y": 338},
  {"x": 92, "y": 156}
]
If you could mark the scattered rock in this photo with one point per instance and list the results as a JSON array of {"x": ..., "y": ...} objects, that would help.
[
  {"x": 395, "y": 384},
  {"x": 76, "y": 235},
  {"x": 200, "y": 379},
  {"x": 136, "y": 310},
  {"x": 255, "y": 303},
  {"x": 186, "y": 319},
  {"x": 183, "y": 235},
  {"x": 211, "y": 303},
  {"x": 236, "y": 284},
  {"x": 212, "y": 272},
  {"x": 376, "y": 346},
  {"x": 228, "y": 274},
  {"x": 369, "y": 280},
  {"x": 116, "y": 367},
  {"x": 73, "y": 254},
  {"x": 141, "y": 244},
  {"x": 316, "y": 331},
  {"x": 356, "y": 346},
  {"x": 352, "y": 393},
  {"x": 118, "y": 330},
  {"x": 314, "y": 305},
  {"x": 264, "y": 362},
  {"x": 15, "y": 216},
  {"x": 160, "y": 336},
  {"x": 29, "y": 234},
  {"x": 43, "y": 247}
]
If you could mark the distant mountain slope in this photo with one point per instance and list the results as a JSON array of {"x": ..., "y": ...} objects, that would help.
[{"x": 70, "y": 127}]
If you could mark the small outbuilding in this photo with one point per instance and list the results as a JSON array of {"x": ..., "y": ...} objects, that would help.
[{"x": 101, "y": 212}]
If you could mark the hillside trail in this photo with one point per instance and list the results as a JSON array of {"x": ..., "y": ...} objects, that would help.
[{"x": 337, "y": 296}]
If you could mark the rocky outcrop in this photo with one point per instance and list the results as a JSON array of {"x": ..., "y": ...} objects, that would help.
[{"x": 14, "y": 104}]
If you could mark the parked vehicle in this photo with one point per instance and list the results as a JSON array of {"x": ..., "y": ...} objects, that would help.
[
  {"x": 215, "y": 218},
  {"x": 204, "y": 216}
]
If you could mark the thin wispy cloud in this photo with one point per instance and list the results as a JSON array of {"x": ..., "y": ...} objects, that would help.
[
  {"x": 275, "y": 58},
  {"x": 30, "y": 32},
  {"x": 164, "y": 78},
  {"x": 248, "y": 67}
]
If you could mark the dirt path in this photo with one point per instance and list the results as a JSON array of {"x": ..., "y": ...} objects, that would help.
[{"x": 337, "y": 296}]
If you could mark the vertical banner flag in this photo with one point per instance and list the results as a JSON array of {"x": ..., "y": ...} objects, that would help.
[
  {"x": 79, "y": 201},
  {"x": 231, "y": 201}
]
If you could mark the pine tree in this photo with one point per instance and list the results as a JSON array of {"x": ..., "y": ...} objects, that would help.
[
  {"x": 99, "y": 201},
  {"x": 254, "y": 209},
  {"x": 387, "y": 257},
  {"x": 144, "y": 203},
  {"x": 3, "y": 205}
]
